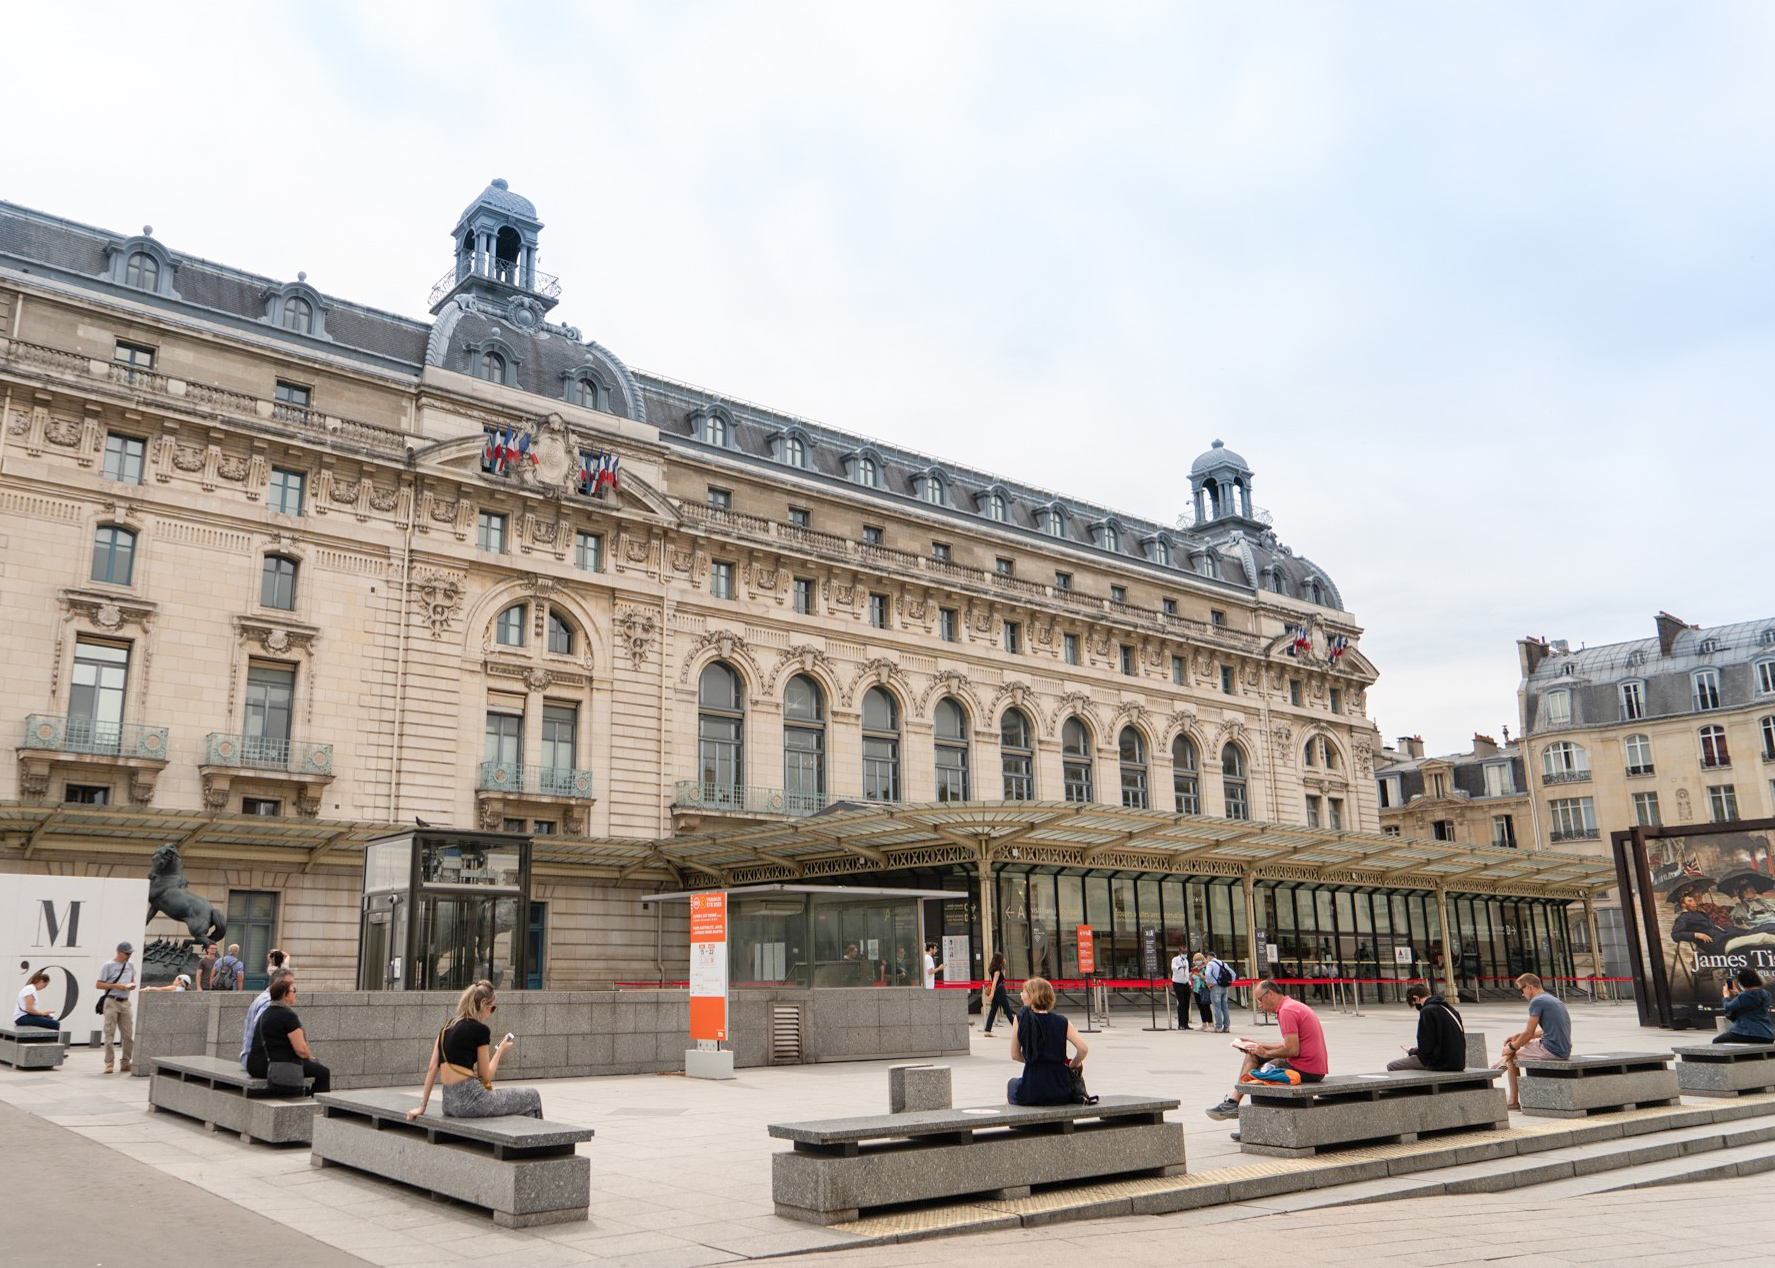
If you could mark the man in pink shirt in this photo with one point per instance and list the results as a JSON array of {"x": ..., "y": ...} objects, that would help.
[{"x": 1298, "y": 1057}]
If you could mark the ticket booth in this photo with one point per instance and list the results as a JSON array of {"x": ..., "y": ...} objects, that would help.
[{"x": 444, "y": 909}]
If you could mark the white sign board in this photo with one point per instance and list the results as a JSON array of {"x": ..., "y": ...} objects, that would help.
[
  {"x": 1402, "y": 955},
  {"x": 69, "y": 926},
  {"x": 955, "y": 958}
]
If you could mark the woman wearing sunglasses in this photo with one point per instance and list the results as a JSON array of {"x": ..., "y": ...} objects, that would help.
[{"x": 465, "y": 1061}]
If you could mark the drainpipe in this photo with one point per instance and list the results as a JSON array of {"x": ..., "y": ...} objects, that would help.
[{"x": 400, "y": 679}]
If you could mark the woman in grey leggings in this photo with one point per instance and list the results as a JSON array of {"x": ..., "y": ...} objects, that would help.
[{"x": 465, "y": 1061}]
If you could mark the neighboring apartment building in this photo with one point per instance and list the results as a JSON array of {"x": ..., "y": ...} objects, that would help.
[
  {"x": 283, "y": 570},
  {"x": 1674, "y": 729},
  {"x": 1476, "y": 798}
]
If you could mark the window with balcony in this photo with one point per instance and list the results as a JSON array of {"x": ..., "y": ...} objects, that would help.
[
  {"x": 800, "y": 517},
  {"x": 1722, "y": 802},
  {"x": 1714, "y": 753},
  {"x": 1131, "y": 752},
  {"x": 1638, "y": 749},
  {"x": 286, "y": 491},
  {"x": 1557, "y": 707},
  {"x": 720, "y": 735},
  {"x": 560, "y": 748},
  {"x": 804, "y": 595},
  {"x": 504, "y": 750},
  {"x": 948, "y": 625},
  {"x": 508, "y": 629},
  {"x": 277, "y": 583},
  {"x": 1573, "y": 818},
  {"x": 1216, "y": 617},
  {"x": 804, "y": 746},
  {"x": 1645, "y": 809},
  {"x": 1186, "y": 788},
  {"x": 561, "y": 635},
  {"x": 1016, "y": 751},
  {"x": 86, "y": 794},
  {"x": 265, "y": 733},
  {"x": 872, "y": 535},
  {"x": 1707, "y": 689},
  {"x": 1503, "y": 832},
  {"x": 878, "y": 611},
  {"x": 1233, "y": 788},
  {"x": 114, "y": 555},
  {"x": 490, "y": 532},
  {"x": 588, "y": 551},
  {"x": 1499, "y": 781},
  {"x": 951, "y": 733},
  {"x": 290, "y": 402},
  {"x": 721, "y": 579},
  {"x": 1118, "y": 594},
  {"x": 881, "y": 746},
  {"x": 96, "y": 694},
  {"x": 1069, "y": 646},
  {"x": 1004, "y": 567},
  {"x": 142, "y": 271},
  {"x": 1633, "y": 701},
  {"x": 1564, "y": 763},
  {"x": 721, "y": 499},
  {"x": 1168, "y": 606},
  {"x": 124, "y": 458},
  {"x": 1075, "y": 760}
]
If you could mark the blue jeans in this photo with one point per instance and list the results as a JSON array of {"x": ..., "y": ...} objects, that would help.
[
  {"x": 1221, "y": 1020},
  {"x": 33, "y": 1019}
]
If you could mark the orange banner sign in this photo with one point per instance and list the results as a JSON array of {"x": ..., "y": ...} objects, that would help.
[
  {"x": 708, "y": 968},
  {"x": 1087, "y": 951}
]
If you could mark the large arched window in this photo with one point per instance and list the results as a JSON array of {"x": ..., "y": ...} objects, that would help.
[
  {"x": 1016, "y": 748},
  {"x": 142, "y": 271},
  {"x": 1132, "y": 750},
  {"x": 1232, "y": 783},
  {"x": 1185, "y": 780},
  {"x": 952, "y": 750},
  {"x": 1564, "y": 763},
  {"x": 720, "y": 736},
  {"x": 1075, "y": 760},
  {"x": 561, "y": 640},
  {"x": 114, "y": 555},
  {"x": 493, "y": 367},
  {"x": 298, "y": 315},
  {"x": 804, "y": 746},
  {"x": 1320, "y": 751},
  {"x": 881, "y": 746},
  {"x": 1714, "y": 753},
  {"x": 508, "y": 631}
]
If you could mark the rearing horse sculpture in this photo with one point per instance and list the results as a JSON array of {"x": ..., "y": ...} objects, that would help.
[{"x": 170, "y": 894}]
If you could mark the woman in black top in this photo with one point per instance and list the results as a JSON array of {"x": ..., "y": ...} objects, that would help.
[
  {"x": 279, "y": 1037},
  {"x": 997, "y": 1001},
  {"x": 1038, "y": 1039},
  {"x": 465, "y": 1062}
]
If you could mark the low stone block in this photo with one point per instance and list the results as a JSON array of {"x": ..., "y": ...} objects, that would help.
[
  {"x": 23, "y": 1050},
  {"x": 216, "y": 1099},
  {"x": 1588, "y": 1084},
  {"x": 919, "y": 1087},
  {"x": 1477, "y": 1056},
  {"x": 1727, "y": 1069}
]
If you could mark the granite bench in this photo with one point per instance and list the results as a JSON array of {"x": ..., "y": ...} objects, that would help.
[
  {"x": 224, "y": 1097},
  {"x": 1725, "y": 1069},
  {"x": 1596, "y": 1083},
  {"x": 840, "y": 1167},
  {"x": 1284, "y": 1120},
  {"x": 526, "y": 1171},
  {"x": 31, "y": 1047}
]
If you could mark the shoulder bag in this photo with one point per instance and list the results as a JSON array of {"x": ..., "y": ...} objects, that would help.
[{"x": 283, "y": 1076}]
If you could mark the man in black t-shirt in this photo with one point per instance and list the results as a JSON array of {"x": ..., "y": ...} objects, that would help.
[{"x": 279, "y": 1037}]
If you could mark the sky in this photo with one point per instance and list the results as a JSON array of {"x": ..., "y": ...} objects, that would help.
[{"x": 1481, "y": 291}]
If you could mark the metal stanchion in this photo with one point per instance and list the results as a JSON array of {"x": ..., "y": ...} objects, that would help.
[
  {"x": 1150, "y": 1001},
  {"x": 1088, "y": 1028}
]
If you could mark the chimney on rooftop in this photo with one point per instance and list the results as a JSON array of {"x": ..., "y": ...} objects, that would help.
[
  {"x": 1668, "y": 628},
  {"x": 1484, "y": 745},
  {"x": 1411, "y": 745}
]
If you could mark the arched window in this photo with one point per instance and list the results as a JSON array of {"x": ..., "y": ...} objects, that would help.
[
  {"x": 1232, "y": 783},
  {"x": 795, "y": 451},
  {"x": 1564, "y": 763},
  {"x": 508, "y": 631},
  {"x": 277, "y": 583},
  {"x": 298, "y": 315},
  {"x": 881, "y": 746},
  {"x": 1211, "y": 565},
  {"x": 1162, "y": 552},
  {"x": 996, "y": 508},
  {"x": 1112, "y": 537},
  {"x": 142, "y": 271},
  {"x": 1639, "y": 754},
  {"x": 867, "y": 472},
  {"x": 952, "y": 750},
  {"x": 114, "y": 555},
  {"x": 715, "y": 428},
  {"x": 1184, "y": 778},
  {"x": 493, "y": 367},
  {"x": 1315, "y": 594},
  {"x": 585, "y": 391},
  {"x": 720, "y": 736},
  {"x": 1320, "y": 752},
  {"x": 1075, "y": 760},
  {"x": 1016, "y": 750},
  {"x": 1310, "y": 755},
  {"x": 1053, "y": 523},
  {"x": 804, "y": 746},
  {"x": 560, "y": 635},
  {"x": 1713, "y": 747},
  {"x": 933, "y": 491},
  {"x": 1133, "y": 758}
]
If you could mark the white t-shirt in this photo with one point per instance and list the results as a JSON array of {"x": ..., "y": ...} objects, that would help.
[
  {"x": 930, "y": 972},
  {"x": 1180, "y": 967},
  {"x": 26, "y": 997}
]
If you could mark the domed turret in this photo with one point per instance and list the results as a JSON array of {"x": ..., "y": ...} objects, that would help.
[
  {"x": 496, "y": 254},
  {"x": 1220, "y": 486}
]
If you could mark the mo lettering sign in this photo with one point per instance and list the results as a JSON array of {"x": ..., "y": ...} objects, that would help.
[{"x": 69, "y": 926}]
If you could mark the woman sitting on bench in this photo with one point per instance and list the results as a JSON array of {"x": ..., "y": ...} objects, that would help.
[
  {"x": 1038, "y": 1039},
  {"x": 1747, "y": 1008},
  {"x": 464, "y": 1060},
  {"x": 29, "y": 1011}
]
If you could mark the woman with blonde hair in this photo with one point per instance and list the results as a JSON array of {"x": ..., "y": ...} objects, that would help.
[
  {"x": 1038, "y": 1039},
  {"x": 465, "y": 1062}
]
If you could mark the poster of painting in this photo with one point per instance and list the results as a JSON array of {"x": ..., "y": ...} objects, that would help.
[{"x": 1715, "y": 898}]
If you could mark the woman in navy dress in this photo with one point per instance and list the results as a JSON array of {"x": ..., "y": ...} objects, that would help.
[{"x": 1038, "y": 1039}]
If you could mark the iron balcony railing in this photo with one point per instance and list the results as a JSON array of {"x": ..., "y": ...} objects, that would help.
[
  {"x": 693, "y": 794},
  {"x": 506, "y": 272},
  {"x": 1639, "y": 770},
  {"x": 537, "y": 781},
  {"x": 98, "y": 739},
  {"x": 1573, "y": 834},
  {"x": 296, "y": 757},
  {"x": 1565, "y": 777}
]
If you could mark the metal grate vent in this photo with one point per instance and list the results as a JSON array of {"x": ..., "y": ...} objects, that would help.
[{"x": 785, "y": 1034}]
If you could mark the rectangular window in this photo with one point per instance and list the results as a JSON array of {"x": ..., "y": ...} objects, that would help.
[
  {"x": 287, "y": 488},
  {"x": 878, "y": 611},
  {"x": 277, "y": 583},
  {"x": 271, "y": 693},
  {"x": 1013, "y": 637},
  {"x": 1707, "y": 689},
  {"x": 1765, "y": 675},
  {"x": 1633, "y": 701},
  {"x": 560, "y": 747},
  {"x": 290, "y": 402},
  {"x": 1070, "y": 645},
  {"x": 114, "y": 555},
  {"x": 124, "y": 456},
  {"x": 1177, "y": 668},
  {"x": 588, "y": 552},
  {"x": 1390, "y": 792},
  {"x": 542, "y": 827},
  {"x": 86, "y": 794},
  {"x": 1559, "y": 708},
  {"x": 1004, "y": 567},
  {"x": 721, "y": 499},
  {"x": 804, "y": 595},
  {"x": 801, "y": 517},
  {"x": 1443, "y": 829},
  {"x": 1312, "y": 812},
  {"x": 1389, "y": 829},
  {"x": 1645, "y": 810},
  {"x": 721, "y": 579},
  {"x": 132, "y": 358},
  {"x": 1334, "y": 814},
  {"x": 1216, "y": 617},
  {"x": 512, "y": 825},
  {"x": 940, "y": 551},
  {"x": 1498, "y": 781},
  {"x": 265, "y": 807},
  {"x": 505, "y": 739},
  {"x": 1063, "y": 581},
  {"x": 1574, "y": 818},
  {"x": 1294, "y": 696},
  {"x": 490, "y": 532},
  {"x": 871, "y": 535},
  {"x": 1118, "y": 594},
  {"x": 96, "y": 694},
  {"x": 1722, "y": 802},
  {"x": 948, "y": 625},
  {"x": 1337, "y": 700},
  {"x": 1168, "y": 606},
  {"x": 1226, "y": 679},
  {"x": 1439, "y": 784},
  {"x": 1503, "y": 832},
  {"x": 1127, "y": 659}
]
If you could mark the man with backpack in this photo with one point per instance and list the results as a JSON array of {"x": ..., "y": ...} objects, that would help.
[
  {"x": 230, "y": 972},
  {"x": 1442, "y": 1038},
  {"x": 1220, "y": 976}
]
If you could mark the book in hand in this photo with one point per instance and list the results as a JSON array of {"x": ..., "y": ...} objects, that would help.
[{"x": 1244, "y": 1045}]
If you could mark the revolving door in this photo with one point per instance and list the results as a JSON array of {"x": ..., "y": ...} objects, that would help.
[{"x": 443, "y": 909}]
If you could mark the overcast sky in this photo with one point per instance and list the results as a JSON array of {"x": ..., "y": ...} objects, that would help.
[{"x": 1481, "y": 291}]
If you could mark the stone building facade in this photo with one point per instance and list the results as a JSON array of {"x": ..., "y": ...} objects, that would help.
[
  {"x": 282, "y": 570},
  {"x": 1479, "y": 797}
]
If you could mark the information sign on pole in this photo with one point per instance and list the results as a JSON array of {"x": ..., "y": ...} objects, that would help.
[
  {"x": 1402, "y": 955},
  {"x": 1087, "y": 952},
  {"x": 708, "y": 970},
  {"x": 1149, "y": 951}
]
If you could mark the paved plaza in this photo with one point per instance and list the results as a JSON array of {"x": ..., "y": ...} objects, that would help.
[{"x": 681, "y": 1172}]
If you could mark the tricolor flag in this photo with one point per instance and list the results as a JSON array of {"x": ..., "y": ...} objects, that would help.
[
  {"x": 597, "y": 468},
  {"x": 523, "y": 449},
  {"x": 490, "y": 451},
  {"x": 1298, "y": 640},
  {"x": 1336, "y": 645}
]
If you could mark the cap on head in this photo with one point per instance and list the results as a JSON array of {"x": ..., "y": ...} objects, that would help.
[{"x": 125, "y": 948}]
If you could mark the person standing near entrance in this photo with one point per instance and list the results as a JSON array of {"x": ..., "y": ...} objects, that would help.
[
  {"x": 1180, "y": 986},
  {"x": 116, "y": 980},
  {"x": 931, "y": 967},
  {"x": 1219, "y": 975},
  {"x": 231, "y": 973}
]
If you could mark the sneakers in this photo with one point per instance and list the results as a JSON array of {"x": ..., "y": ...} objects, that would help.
[
  {"x": 1234, "y": 1136},
  {"x": 124, "y": 1068},
  {"x": 107, "y": 1069},
  {"x": 1228, "y": 1108}
]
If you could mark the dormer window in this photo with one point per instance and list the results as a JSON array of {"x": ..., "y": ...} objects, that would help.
[
  {"x": 795, "y": 451},
  {"x": 997, "y": 508},
  {"x": 585, "y": 391},
  {"x": 1161, "y": 552},
  {"x": 141, "y": 264},
  {"x": 715, "y": 430},
  {"x": 1112, "y": 537},
  {"x": 1709, "y": 646},
  {"x": 931, "y": 486},
  {"x": 932, "y": 490},
  {"x": 142, "y": 271},
  {"x": 1636, "y": 658},
  {"x": 493, "y": 367},
  {"x": 296, "y": 307},
  {"x": 1051, "y": 519},
  {"x": 868, "y": 472}
]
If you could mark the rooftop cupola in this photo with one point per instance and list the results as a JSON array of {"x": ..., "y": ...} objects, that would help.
[
  {"x": 496, "y": 257},
  {"x": 1220, "y": 488}
]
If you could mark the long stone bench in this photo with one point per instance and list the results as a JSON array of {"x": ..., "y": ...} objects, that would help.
[
  {"x": 1298, "y": 1120},
  {"x": 1725, "y": 1069},
  {"x": 1596, "y": 1083},
  {"x": 840, "y": 1167},
  {"x": 526, "y": 1171},
  {"x": 222, "y": 1096},
  {"x": 31, "y": 1047}
]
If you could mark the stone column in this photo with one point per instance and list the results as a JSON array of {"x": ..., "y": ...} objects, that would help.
[
  {"x": 988, "y": 908},
  {"x": 1596, "y": 964},
  {"x": 1251, "y": 930},
  {"x": 1449, "y": 991}
]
